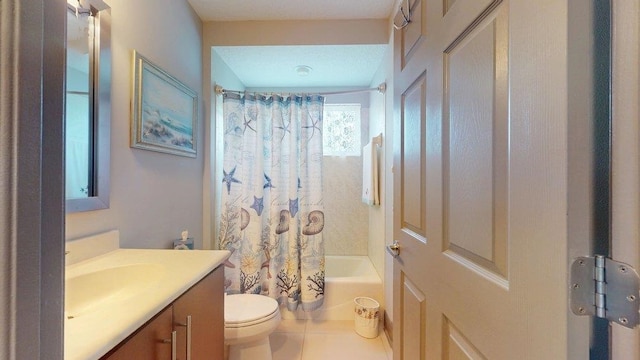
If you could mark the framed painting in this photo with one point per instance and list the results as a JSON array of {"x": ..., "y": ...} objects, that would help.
[{"x": 164, "y": 111}]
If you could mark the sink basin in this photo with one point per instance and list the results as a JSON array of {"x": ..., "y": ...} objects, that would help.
[
  {"x": 84, "y": 292},
  {"x": 112, "y": 293}
]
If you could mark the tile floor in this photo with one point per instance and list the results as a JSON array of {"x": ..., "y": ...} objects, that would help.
[{"x": 310, "y": 340}]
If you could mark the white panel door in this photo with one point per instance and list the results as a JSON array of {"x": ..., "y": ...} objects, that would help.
[{"x": 480, "y": 181}]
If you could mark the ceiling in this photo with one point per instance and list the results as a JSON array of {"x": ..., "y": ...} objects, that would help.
[
  {"x": 274, "y": 66},
  {"x": 331, "y": 65}
]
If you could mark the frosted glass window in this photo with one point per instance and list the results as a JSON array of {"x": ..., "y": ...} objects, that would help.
[{"x": 341, "y": 130}]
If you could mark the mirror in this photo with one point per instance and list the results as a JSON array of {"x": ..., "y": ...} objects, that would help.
[{"x": 88, "y": 105}]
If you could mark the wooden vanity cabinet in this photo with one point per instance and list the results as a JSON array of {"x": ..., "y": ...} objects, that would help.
[
  {"x": 151, "y": 341},
  {"x": 203, "y": 304}
]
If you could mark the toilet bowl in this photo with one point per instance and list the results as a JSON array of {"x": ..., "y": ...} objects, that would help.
[{"x": 249, "y": 319}]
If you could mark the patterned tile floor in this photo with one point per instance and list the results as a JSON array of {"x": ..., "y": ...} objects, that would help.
[{"x": 336, "y": 340}]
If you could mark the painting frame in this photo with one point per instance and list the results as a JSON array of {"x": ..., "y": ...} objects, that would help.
[{"x": 164, "y": 111}]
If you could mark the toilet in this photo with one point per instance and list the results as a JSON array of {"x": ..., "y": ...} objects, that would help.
[{"x": 249, "y": 319}]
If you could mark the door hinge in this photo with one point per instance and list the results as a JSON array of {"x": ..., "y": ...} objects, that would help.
[{"x": 605, "y": 288}]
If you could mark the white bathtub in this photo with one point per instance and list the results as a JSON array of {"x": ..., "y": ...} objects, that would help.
[{"x": 346, "y": 277}]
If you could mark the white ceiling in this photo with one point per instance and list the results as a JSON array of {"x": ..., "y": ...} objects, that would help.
[
  {"x": 274, "y": 66},
  {"x": 331, "y": 65}
]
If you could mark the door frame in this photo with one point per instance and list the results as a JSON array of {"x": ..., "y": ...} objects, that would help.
[
  {"x": 625, "y": 154},
  {"x": 32, "y": 59}
]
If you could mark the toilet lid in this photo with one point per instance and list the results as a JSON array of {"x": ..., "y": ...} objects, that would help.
[{"x": 242, "y": 308}]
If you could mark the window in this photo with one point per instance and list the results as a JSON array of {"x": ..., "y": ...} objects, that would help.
[{"x": 341, "y": 130}]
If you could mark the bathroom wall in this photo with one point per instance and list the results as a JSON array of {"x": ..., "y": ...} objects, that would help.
[
  {"x": 381, "y": 218},
  {"x": 223, "y": 76},
  {"x": 153, "y": 195},
  {"x": 376, "y": 214},
  {"x": 346, "y": 230}
]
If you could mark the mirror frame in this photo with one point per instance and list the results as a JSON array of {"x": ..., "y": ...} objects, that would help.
[{"x": 100, "y": 126}]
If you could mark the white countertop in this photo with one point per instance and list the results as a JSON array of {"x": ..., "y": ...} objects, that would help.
[{"x": 93, "y": 331}]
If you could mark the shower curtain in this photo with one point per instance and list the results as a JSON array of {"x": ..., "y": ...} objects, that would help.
[{"x": 272, "y": 212}]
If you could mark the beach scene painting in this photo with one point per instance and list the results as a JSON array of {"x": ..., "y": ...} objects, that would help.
[{"x": 165, "y": 111}]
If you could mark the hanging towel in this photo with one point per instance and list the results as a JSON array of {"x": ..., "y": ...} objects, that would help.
[
  {"x": 370, "y": 194},
  {"x": 374, "y": 174}
]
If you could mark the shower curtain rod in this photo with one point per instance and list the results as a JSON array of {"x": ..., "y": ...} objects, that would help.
[{"x": 382, "y": 88}]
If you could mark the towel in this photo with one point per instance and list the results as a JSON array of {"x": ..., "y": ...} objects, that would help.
[{"x": 370, "y": 193}]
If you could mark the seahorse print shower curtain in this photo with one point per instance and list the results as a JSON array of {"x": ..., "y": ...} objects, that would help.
[{"x": 272, "y": 213}]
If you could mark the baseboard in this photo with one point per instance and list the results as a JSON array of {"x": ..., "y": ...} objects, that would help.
[{"x": 388, "y": 329}]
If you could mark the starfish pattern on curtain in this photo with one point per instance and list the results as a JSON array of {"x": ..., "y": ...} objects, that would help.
[{"x": 272, "y": 212}]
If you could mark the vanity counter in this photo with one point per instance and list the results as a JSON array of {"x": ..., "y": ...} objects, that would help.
[{"x": 109, "y": 296}]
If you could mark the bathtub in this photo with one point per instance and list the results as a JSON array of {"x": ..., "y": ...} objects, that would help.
[{"x": 346, "y": 277}]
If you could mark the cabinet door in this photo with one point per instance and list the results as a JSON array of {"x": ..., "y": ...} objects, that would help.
[
  {"x": 150, "y": 342},
  {"x": 204, "y": 304}
]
